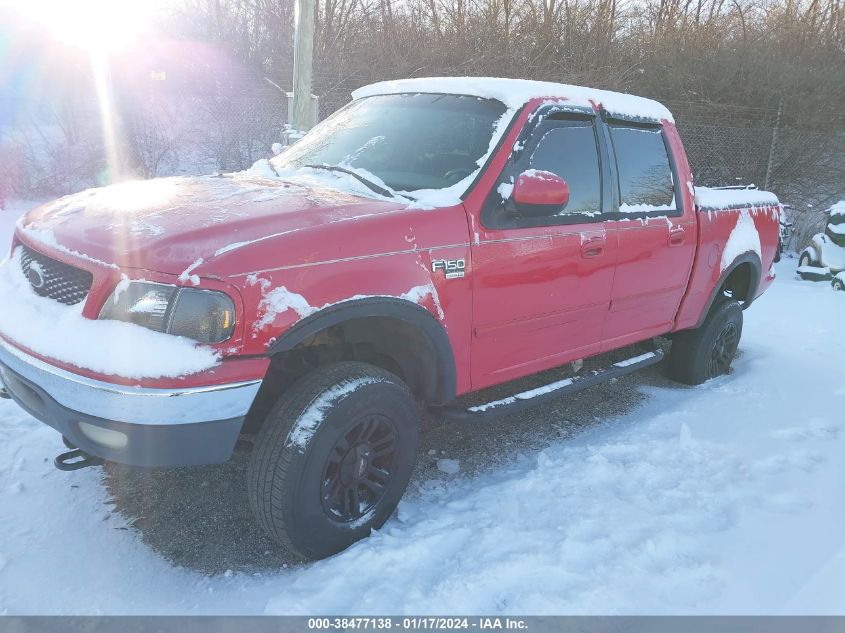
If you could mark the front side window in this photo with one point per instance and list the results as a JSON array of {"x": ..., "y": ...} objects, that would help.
[
  {"x": 567, "y": 147},
  {"x": 408, "y": 141},
  {"x": 571, "y": 153},
  {"x": 645, "y": 175}
]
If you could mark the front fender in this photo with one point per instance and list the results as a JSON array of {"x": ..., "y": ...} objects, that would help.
[{"x": 404, "y": 310}]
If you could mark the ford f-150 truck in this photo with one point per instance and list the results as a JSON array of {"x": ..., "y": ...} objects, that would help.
[{"x": 432, "y": 238}]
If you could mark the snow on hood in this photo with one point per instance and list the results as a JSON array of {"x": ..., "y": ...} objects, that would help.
[
  {"x": 60, "y": 332},
  {"x": 707, "y": 198},
  {"x": 514, "y": 93},
  {"x": 168, "y": 224}
]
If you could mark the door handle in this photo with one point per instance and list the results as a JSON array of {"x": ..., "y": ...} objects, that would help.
[
  {"x": 676, "y": 236},
  {"x": 593, "y": 247}
]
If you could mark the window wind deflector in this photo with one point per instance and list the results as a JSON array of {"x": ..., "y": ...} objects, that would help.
[
  {"x": 635, "y": 122},
  {"x": 571, "y": 115}
]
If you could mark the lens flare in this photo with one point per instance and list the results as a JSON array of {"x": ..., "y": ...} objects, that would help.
[{"x": 95, "y": 25}]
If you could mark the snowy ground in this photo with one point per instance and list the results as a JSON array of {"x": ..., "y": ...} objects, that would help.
[{"x": 725, "y": 499}]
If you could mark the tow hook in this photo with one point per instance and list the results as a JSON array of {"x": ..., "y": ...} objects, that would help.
[{"x": 76, "y": 459}]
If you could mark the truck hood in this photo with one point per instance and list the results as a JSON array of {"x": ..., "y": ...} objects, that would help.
[{"x": 168, "y": 224}]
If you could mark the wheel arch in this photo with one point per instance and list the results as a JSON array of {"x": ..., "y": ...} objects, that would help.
[
  {"x": 395, "y": 334},
  {"x": 742, "y": 276}
]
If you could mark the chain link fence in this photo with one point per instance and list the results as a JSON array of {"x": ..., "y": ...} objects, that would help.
[
  {"x": 725, "y": 145},
  {"x": 802, "y": 162}
]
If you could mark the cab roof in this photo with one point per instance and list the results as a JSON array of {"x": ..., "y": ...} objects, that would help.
[{"x": 515, "y": 93}]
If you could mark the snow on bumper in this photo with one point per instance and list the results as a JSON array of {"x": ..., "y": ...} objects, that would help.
[{"x": 155, "y": 427}]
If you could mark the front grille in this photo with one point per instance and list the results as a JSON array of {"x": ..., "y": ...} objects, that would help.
[{"x": 53, "y": 279}]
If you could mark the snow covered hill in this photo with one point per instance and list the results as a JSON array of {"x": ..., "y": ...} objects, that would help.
[{"x": 722, "y": 499}]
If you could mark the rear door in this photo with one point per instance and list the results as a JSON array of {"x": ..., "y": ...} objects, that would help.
[
  {"x": 542, "y": 284},
  {"x": 656, "y": 235}
]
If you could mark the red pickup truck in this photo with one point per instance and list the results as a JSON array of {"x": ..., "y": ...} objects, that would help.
[{"x": 430, "y": 239}]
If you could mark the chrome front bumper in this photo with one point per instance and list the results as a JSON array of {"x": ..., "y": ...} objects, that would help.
[
  {"x": 134, "y": 405},
  {"x": 164, "y": 427}
]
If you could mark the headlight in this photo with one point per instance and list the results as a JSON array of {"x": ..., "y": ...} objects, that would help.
[{"x": 206, "y": 316}]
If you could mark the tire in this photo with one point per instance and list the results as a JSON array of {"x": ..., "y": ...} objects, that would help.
[
  {"x": 341, "y": 428},
  {"x": 837, "y": 284},
  {"x": 807, "y": 259},
  {"x": 706, "y": 352}
]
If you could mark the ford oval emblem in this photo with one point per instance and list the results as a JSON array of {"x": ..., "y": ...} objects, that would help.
[{"x": 36, "y": 277}]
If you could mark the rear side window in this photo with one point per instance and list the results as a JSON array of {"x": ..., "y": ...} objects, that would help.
[
  {"x": 645, "y": 176},
  {"x": 570, "y": 152}
]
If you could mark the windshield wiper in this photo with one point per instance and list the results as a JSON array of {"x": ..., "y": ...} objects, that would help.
[{"x": 370, "y": 184}]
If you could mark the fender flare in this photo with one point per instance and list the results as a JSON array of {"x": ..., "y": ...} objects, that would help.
[
  {"x": 748, "y": 257},
  {"x": 445, "y": 386}
]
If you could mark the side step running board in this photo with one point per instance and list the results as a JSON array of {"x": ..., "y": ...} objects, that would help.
[{"x": 546, "y": 393}]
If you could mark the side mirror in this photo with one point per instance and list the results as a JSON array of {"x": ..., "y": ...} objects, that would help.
[{"x": 535, "y": 191}]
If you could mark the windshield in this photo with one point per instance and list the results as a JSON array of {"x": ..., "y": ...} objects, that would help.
[{"x": 410, "y": 142}]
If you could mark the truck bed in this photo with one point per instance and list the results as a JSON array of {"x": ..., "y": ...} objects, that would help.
[{"x": 736, "y": 227}]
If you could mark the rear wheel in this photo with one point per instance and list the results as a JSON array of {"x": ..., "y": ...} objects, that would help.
[
  {"x": 837, "y": 284},
  {"x": 333, "y": 458},
  {"x": 708, "y": 351}
]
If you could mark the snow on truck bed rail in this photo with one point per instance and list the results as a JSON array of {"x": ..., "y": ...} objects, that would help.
[
  {"x": 514, "y": 93},
  {"x": 707, "y": 198}
]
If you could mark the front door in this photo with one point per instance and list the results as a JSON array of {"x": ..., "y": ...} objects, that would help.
[{"x": 542, "y": 280}]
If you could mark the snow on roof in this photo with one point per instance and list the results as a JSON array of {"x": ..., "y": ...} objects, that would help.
[
  {"x": 707, "y": 198},
  {"x": 514, "y": 93}
]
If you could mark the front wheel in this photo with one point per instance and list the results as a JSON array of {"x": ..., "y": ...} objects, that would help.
[
  {"x": 333, "y": 458},
  {"x": 706, "y": 352}
]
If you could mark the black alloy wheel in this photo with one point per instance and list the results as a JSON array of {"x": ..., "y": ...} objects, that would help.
[
  {"x": 724, "y": 350},
  {"x": 359, "y": 468}
]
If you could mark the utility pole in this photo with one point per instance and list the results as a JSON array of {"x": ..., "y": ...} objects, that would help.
[
  {"x": 772, "y": 146},
  {"x": 303, "y": 54}
]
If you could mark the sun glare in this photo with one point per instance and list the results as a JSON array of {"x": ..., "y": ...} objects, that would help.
[{"x": 94, "y": 25}]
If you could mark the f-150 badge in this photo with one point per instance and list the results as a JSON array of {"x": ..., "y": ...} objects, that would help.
[{"x": 453, "y": 268}]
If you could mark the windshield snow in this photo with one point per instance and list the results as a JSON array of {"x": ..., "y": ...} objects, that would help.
[{"x": 408, "y": 142}]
